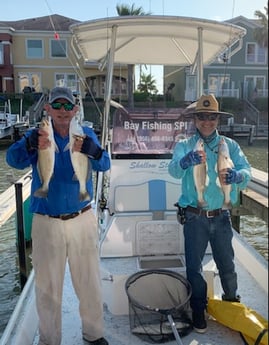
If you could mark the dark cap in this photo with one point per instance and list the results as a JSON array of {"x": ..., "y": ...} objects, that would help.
[{"x": 61, "y": 92}]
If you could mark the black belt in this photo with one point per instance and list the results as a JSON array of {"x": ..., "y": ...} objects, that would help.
[
  {"x": 206, "y": 213},
  {"x": 70, "y": 215}
]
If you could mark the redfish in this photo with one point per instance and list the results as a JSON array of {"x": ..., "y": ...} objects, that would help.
[
  {"x": 224, "y": 162},
  {"x": 46, "y": 160},
  {"x": 200, "y": 175},
  {"x": 80, "y": 161}
]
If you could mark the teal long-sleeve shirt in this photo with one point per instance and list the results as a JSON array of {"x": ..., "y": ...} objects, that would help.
[{"x": 213, "y": 194}]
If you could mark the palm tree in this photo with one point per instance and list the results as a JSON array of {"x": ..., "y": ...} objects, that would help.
[
  {"x": 147, "y": 84},
  {"x": 127, "y": 10},
  {"x": 261, "y": 33}
]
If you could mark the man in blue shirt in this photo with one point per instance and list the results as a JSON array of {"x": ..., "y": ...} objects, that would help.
[
  {"x": 64, "y": 226},
  {"x": 203, "y": 202}
]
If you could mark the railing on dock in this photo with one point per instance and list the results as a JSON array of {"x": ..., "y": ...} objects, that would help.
[{"x": 254, "y": 199}]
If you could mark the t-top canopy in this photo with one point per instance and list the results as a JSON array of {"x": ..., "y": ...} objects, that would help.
[{"x": 156, "y": 40}]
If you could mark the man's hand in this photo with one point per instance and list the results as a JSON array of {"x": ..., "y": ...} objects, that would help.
[
  {"x": 192, "y": 158},
  {"x": 32, "y": 140},
  {"x": 233, "y": 176},
  {"x": 87, "y": 146}
]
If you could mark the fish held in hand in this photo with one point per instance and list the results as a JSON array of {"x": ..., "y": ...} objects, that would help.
[
  {"x": 224, "y": 162},
  {"x": 80, "y": 161},
  {"x": 46, "y": 160},
  {"x": 200, "y": 175}
]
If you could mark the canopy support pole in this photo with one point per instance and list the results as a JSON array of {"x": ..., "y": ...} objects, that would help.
[{"x": 200, "y": 72}]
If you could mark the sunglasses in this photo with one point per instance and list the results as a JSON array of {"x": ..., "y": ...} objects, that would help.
[
  {"x": 207, "y": 117},
  {"x": 58, "y": 106}
]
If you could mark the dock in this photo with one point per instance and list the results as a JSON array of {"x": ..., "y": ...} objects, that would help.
[
  {"x": 254, "y": 199},
  {"x": 242, "y": 130}
]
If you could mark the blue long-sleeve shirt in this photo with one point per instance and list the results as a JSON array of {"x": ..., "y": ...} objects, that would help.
[
  {"x": 63, "y": 194},
  {"x": 213, "y": 195}
]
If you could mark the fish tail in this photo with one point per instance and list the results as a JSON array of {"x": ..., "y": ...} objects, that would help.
[
  {"x": 41, "y": 193},
  {"x": 83, "y": 196},
  {"x": 227, "y": 206},
  {"x": 202, "y": 204}
]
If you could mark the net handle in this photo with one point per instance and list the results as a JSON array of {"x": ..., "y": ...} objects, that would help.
[{"x": 174, "y": 329}]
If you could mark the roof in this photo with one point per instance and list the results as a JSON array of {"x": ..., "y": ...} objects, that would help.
[
  {"x": 159, "y": 40},
  {"x": 54, "y": 22},
  {"x": 241, "y": 20}
]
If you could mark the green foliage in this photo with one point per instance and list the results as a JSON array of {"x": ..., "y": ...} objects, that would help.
[
  {"x": 147, "y": 84},
  {"x": 230, "y": 104},
  {"x": 130, "y": 10},
  {"x": 15, "y": 102},
  {"x": 261, "y": 104},
  {"x": 261, "y": 33}
]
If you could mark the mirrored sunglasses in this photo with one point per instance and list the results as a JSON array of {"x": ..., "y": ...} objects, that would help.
[
  {"x": 207, "y": 117},
  {"x": 58, "y": 106}
]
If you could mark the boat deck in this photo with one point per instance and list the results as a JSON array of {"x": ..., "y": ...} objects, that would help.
[{"x": 117, "y": 327}]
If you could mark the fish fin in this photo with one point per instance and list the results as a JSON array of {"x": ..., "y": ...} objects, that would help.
[
  {"x": 56, "y": 148},
  {"x": 84, "y": 196},
  {"x": 74, "y": 178},
  {"x": 206, "y": 180},
  {"x": 218, "y": 182},
  {"x": 67, "y": 146}
]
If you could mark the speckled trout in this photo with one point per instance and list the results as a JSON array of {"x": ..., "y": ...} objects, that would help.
[
  {"x": 200, "y": 175},
  {"x": 224, "y": 162},
  {"x": 46, "y": 159},
  {"x": 80, "y": 161}
]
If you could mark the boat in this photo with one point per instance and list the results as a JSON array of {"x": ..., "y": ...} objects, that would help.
[
  {"x": 10, "y": 122},
  {"x": 141, "y": 240}
]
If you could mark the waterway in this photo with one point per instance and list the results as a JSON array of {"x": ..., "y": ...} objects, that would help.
[{"x": 252, "y": 228}]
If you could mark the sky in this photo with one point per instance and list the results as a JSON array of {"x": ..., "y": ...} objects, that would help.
[{"x": 84, "y": 10}]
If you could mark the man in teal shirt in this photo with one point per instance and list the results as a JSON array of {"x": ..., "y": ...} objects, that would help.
[{"x": 208, "y": 222}]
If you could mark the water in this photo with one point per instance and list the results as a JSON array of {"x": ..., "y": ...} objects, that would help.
[
  {"x": 251, "y": 227},
  {"x": 257, "y": 153}
]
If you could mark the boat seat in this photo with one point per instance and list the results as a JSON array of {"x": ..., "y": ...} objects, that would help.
[{"x": 153, "y": 195}]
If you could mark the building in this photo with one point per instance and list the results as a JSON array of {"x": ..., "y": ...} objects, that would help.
[
  {"x": 243, "y": 76},
  {"x": 36, "y": 54}
]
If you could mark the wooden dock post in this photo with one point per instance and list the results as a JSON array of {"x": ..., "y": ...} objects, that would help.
[{"x": 251, "y": 135}]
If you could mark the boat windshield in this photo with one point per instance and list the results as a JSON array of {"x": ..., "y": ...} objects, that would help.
[{"x": 148, "y": 132}]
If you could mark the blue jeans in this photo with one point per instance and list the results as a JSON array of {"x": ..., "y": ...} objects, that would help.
[{"x": 198, "y": 231}]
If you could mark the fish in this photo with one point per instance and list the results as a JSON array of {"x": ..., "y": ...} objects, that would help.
[
  {"x": 224, "y": 162},
  {"x": 46, "y": 160},
  {"x": 80, "y": 162},
  {"x": 200, "y": 175}
]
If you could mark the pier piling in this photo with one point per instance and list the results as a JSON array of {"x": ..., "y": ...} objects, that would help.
[{"x": 20, "y": 230}]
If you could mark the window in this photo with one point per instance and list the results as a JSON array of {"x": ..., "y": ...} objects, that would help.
[
  {"x": 255, "y": 54},
  {"x": 58, "y": 48},
  {"x": 34, "y": 49},
  {"x": 67, "y": 80},
  {"x": 33, "y": 80},
  {"x": 218, "y": 82},
  {"x": 252, "y": 85},
  {"x": 1, "y": 54}
]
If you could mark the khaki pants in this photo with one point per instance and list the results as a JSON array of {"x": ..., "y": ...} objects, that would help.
[{"x": 54, "y": 242}]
